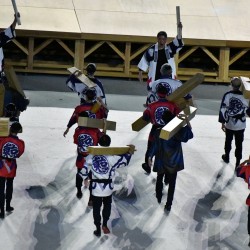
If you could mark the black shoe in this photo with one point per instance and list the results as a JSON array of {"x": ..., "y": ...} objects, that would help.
[
  {"x": 167, "y": 208},
  {"x": 97, "y": 232},
  {"x": 225, "y": 158},
  {"x": 79, "y": 194},
  {"x": 158, "y": 197},
  {"x": 9, "y": 209},
  {"x": 2, "y": 214},
  {"x": 146, "y": 167}
]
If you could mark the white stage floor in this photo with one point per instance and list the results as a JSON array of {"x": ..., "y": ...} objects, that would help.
[{"x": 208, "y": 211}]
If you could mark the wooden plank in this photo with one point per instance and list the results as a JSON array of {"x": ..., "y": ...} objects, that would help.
[
  {"x": 176, "y": 124},
  {"x": 139, "y": 124},
  {"x": 98, "y": 150},
  {"x": 84, "y": 79},
  {"x": 186, "y": 87},
  {"x": 4, "y": 126},
  {"x": 2, "y": 93},
  {"x": 13, "y": 80},
  {"x": 245, "y": 86},
  {"x": 96, "y": 123}
]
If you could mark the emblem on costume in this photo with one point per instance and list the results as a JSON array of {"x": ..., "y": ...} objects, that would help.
[
  {"x": 235, "y": 110},
  {"x": 10, "y": 150},
  {"x": 100, "y": 164},
  {"x": 158, "y": 115},
  {"x": 91, "y": 115},
  {"x": 84, "y": 140}
]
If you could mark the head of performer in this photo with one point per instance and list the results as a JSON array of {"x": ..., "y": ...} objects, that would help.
[
  {"x": 91, "y": 69},
  {"x": 10, "y": 110},
  {"x": 166, "y": 71},
  {"x": 16, "y": 128},
  {"x": 236, "y": 83},
  {"x": 104, "y": 140},
  {"x": 167, "y": 116},
  {"x": 89, "y": 94},
  {"x": 161, "y": 90},
  {"x": 162, "y": 39}
]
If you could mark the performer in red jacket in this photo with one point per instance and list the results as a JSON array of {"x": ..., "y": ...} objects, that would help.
[{"x": 11, "y": 147}]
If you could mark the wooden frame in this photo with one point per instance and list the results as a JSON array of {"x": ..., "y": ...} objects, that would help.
[
  {"x": 4, "y": 126},
  {"x": 97, "y": 123},
  {"x": 98, "y": 150}
]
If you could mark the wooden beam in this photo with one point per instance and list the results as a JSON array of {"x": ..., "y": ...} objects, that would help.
[
  {"x": 95, "y": 47},
  {"x": 111, "y": 45},
  {"x": 187, "y": 53},
  {"x": 139, "y": 124},
  {"x": 66, "y": 48},
  {"x": 176, "y": 124},
  {"x": 84, "y": 79},
  {"x": 210, "y": 55},
  {"x": 98, "y": 150},
  {"x": 238, "y": 56},
  {"x": 4, "y": 126},
  {"x": 224, "y": 64},
  {"x": 42, "y": 46},
  {"x": 96, "y": 123},
  {"x": 139, "y": 51},
  {"x": 127, "y": 58},
  {"x": 20, "y": 46},
  {"x": 31, "y": 53},
  {"x": 79, "y": 54}
]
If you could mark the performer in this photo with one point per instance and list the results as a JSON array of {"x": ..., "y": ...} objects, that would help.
[
  {"x": 232, "y": 117},
  {"x": 84, "y": 137},
  {"x": 243, "y": 171},
  {"x": 75, "y": 85},
  {"x": 11, "y": 147},
  {"x": 91, "y": 106},
  {"x": 103, "y": 169},
  {"x": 153, "y": 113},
  {"x": 6, "y": 36},
  {"x": 168, "y": 157},
  {"x": 158, "y": 54},
  {"x": 169, "y": 83}
]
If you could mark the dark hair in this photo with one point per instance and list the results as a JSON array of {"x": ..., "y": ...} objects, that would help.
[
  {"x": 91, "y": 68},
  {"x": 161, "y": 89},
  {"x": 84, "y": 114},
  {"x": 167, "y": 116},
  {"x": 91, "y": 94},
  {"x": 104, "y": 140},
  {"x": 162, "y": 33},
  {"x": 16, "y": 127}
]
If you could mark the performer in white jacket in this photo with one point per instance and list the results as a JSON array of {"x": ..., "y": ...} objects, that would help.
[
  {"x": 103, "y": 169},
  {"x": 159, "y": 54}
]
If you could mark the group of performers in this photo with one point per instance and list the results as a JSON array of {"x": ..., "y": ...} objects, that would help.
[{"x": 166, "y": 156}]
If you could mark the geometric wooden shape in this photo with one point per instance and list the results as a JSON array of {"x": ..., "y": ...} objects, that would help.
[
  {"x": 4, "y": 126},
  {"x": 84, "y": 79},
  {"x": 245, "y": 87},
  {"x": 13, "y": 81},
  {"x": 99, "y": 150},
  {"x": 185, "y": 88},
  {"x": 139, "y": 124},
  {"x": 2, "y": 93},
  {"x": 96, "y": 123},
  {"x": 176, "y": 124}
]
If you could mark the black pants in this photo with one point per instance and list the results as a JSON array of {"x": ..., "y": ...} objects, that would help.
[
  {"x": 97, "y": 203},
  {"x": 78, "y": 179},
  {"x": 8, "y": 182},
  {"x": 239, "y": 138},
  {"x": 151, "y": 139},
  {"x": 171, "y": 188}
]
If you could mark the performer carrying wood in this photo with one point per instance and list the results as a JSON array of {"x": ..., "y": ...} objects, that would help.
[
  {"x": 103, "y": 169},
  {"x": 153, "y": 114},
  {"x": 161, "y": 53},
  {"x": 168, "y": 157}
]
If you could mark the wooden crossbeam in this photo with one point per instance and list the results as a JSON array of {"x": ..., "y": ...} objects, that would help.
[
  {"x": 139, "y": 124},
  {"x": 98, "y": 150},
  {"x": 138, "y": 52},
  {"x": 95, "y": 47},
  {"x": 111, "y": 45},
  {"x": 210, "y": 55},
  {"x": 238, "y": 56},
  {"x": 4, "y": 126},
  {"x": 13, "y": 80},
  {"x": 20, "y": 46},
  {"x": 245, "y": 86},
  {"x": 176, "y": 124},
  {"x": 96, "y": 123},
  {"x": 66, "y": 48},
  {"x": 42, "y": 46},
  {"x": 84, "y": 79}
]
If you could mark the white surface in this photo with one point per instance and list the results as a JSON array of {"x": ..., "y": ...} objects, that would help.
[{"x": 208, "y": 211}]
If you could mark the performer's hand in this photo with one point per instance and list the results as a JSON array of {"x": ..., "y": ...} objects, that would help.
[
  {"x": 86, "y": 183},
  {"x": 131, "y": 149},
  {"x": 140, "y": 77},
  {"x": 223, "y": 127},
  {"x": 179, "y": 25},
  {"x": 66, "y": 132}
]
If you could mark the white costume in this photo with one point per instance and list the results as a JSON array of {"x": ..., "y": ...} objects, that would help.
[
  {"x": 150, "y": 57},
  {"x": 103, "y": 169}
]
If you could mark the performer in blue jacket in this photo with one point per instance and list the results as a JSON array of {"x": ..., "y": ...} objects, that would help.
[{"x": 169, "y": 157}]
